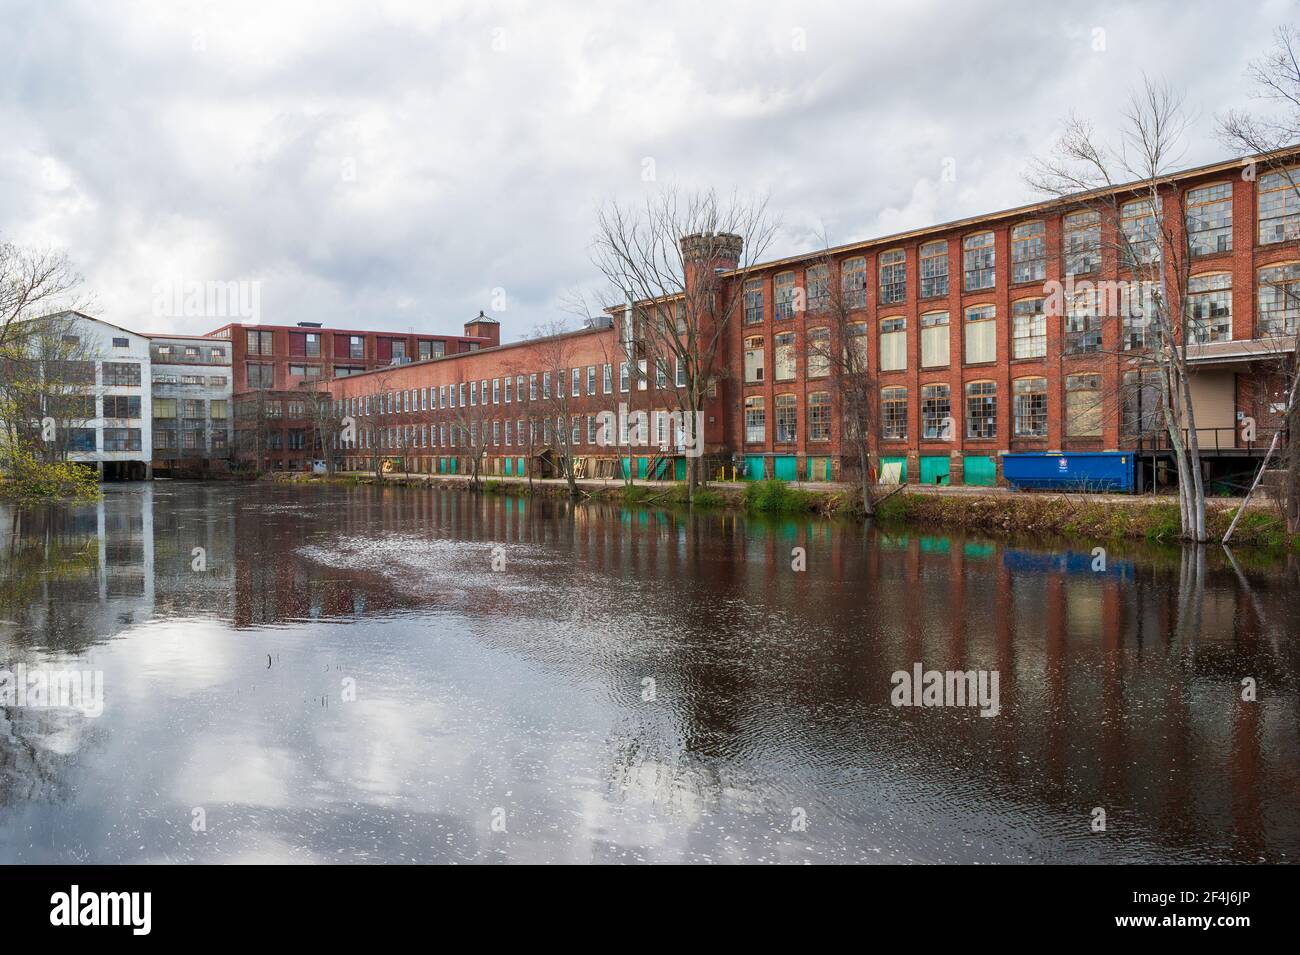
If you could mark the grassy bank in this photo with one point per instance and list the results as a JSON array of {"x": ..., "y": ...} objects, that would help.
[
  {"x": 1078, "y": 517},
  {"x": 1081, "y": 518}
]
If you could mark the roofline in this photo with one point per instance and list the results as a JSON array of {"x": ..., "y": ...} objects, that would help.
[
  {"x": 1058, "y": 202},
  {"x": 346, "y": 331},
  {"x": 88, "y": 317},
  {"x": 495, "y": 350}
]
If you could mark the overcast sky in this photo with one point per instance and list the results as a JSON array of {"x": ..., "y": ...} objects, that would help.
[{"x": 388, "y": 165}]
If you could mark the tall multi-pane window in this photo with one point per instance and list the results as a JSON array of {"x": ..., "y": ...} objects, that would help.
[
  {"x": 818, "y": 360},
  {"x": 259, "y": 376},
  {"x": 755, "y": 420},
  {"x": 893, "y": 413},
  {"x": 784, "y": 356},
  {"x": 786, "y": 419},
  {"x": 576, "y": 383},
  {"x": 1028, "y": 329},
  {"x": 1137, "y": 306},
  {"x": 936, "y": 412},
  {"x": 607, "y": 379},
  {"x": 981, "y": 334},
  {"x": 1141, "y": 229},
  {"x": 818, "y": 280},
  {"x": 935, "y": 339},
  {"x": 982, "y": 410},
  {"x": 1209, "y": 219},
  {"x": 591, "y": 379},
  {"x": 893, "y": 276},
  {"x": 1030, "y": 407},
  {"x": 853, "y": 282},
  {"x": 1029, "y": 252},
  {"x": 259, "y": 343},
  {"x": 1083, "y": 406},
  {"x": 754, "y": 302},
  {"x": 783, "y": 293},
  {"x": 1279, "y": 300},
  {"x": 1081, "y": 241},
  {"x": 893, "y": 344},
  {"x": 623, "y": 380},
  {"x": 1082, "y": 323},
  {"x": 1209, "y": 307},
  {"x": 819, "y": 416},
  {"x": 754, "y": 359},
  {"x": 1279, "y": 206},
  {"x": 979, "y": 262},
  {"x": 934, "y": 269},
  {"x": 856, "y": 348}
]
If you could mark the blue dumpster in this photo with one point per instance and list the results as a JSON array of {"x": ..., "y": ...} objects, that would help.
[{"x": 1071, "y": 471}]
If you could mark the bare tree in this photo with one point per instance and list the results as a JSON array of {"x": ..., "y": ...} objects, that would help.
[
  {"x": 1151, "y": 243},
  {"x": 554, "y": 348},
  {"x": 33, "y": 282},
  {"x": 671, "y": 260},
  {"x": 326, "y": 424},
  {"x": 472, "y": 422},
  {"x": 254, "y": 424},
  {"x": 1270, "y": 140},
  {"x": 47, "y": 388},
  {"x": 841, "y": 355},
  {"x": 378, "y": 422}
]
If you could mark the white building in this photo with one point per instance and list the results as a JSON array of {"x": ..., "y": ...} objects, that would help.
[
  {"x": 112, "y": 430},
  {"x": 117, "y": 440}
]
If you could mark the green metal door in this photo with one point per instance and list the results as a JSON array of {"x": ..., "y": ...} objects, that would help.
[
  {"x": 754, "y": 470},
  {"x": 934, "y": 469},
  {"x": 786, "y": 467},
  {"x": 520, "y": 469},
  {"x": 510, "y": 467},
  {"x": 680, "y": 470},
  {"x": 642, "y": 465},
  {"x": 980, "y": 470}
]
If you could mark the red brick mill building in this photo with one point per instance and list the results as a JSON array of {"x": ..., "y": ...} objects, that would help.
[
  {"x": 968, "y": 357},
  {"x": 275, "y": 369}
]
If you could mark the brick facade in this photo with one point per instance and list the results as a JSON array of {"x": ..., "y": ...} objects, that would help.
[{"x": 1059, "y": 361}]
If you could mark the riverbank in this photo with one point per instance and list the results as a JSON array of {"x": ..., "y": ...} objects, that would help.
[{"x": 993, "y": 511}]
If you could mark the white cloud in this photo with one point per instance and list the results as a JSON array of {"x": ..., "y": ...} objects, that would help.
[{"x": 389, "y": 164}]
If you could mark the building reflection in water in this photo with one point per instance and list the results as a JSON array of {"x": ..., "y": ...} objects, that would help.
[{"x": 1120, "y": 687}]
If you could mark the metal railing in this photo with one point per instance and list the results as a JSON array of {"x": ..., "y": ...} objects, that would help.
[{"x": 1211, "y": 439}]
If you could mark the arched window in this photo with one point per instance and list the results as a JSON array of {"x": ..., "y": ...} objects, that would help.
[
  {"x": 893, "y": 413},
  {"x": 1030, "y": 407},
  {"x": 1029, "y": 252},
  {"x": 979, "y": 262},
  {"x": 1209, "y": 219},
  {"x": 1209, "y": 307},
  {"x": 934, "y": 269},
  {"x": 982, "y": 410},
  {"x": 1279, "y": 206},
  {"x": 893, "y": 276}
]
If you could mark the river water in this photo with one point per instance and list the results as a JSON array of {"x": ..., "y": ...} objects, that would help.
[{"x": 328, "y": 674}]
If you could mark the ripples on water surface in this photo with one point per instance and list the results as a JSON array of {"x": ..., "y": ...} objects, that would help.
[{"x": 517, "y": 694}]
